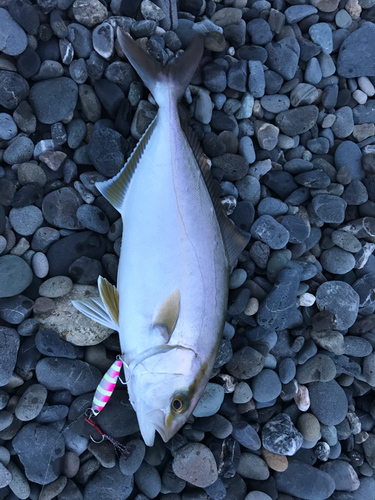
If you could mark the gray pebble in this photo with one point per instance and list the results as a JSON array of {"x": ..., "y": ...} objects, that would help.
[
  {"x": 31, "y": 402},
  {"x": 195, "y": 464},
  {"x": 26, "y": 220}
]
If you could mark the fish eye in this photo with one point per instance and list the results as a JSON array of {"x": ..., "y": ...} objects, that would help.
[{"x": 179, "y": 403}]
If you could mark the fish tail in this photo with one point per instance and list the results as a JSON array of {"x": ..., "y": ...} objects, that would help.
[{"x": 165, "y": 82}]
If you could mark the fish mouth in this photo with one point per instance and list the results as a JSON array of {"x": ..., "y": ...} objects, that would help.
[{"x": 151, "y": 422}]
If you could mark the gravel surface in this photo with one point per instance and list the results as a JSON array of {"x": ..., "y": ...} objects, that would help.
[{"x": 283, "y": 104}]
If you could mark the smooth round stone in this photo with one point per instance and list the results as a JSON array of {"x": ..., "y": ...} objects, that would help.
[
  {"x": 13, "y": 40},
  {"x": 346, "y": 241},
  {"x": 266, "y": 386},
  {"x": 343, "y": 19},
  {"x": 313, "y": 72},
  {"x": 210, "y": 401},
  {"x": 16, "y": 275},
  {"x": 31, "y": 173},
  {"x": 280, "y": 436},
  {"x": 344, "y": 123},
  {"x": 242, "y": 393},
  {"x": 357, "y": 347},
  {"x": 287, "y": 370},
  {"x": 40, "y": 265},
  {"x": 59, "y": 208},
  {"x": 355, "y": 193},
  {"x": 297, "y": 228},
  {"x": 93, "y": 218},
  {"x": 253, "y": 467},
  {"x": 195, "y": 463},
  {"x": 43, "y": 462},
  {"x": 269, "y": 231},
  {"x": 249, "y": 189},
  {"x": 26, "y": 220},
  {"x": 54, "y": 100},
  {"x": 337, "y": 261},
  {"x": 31, "y": 402},
  {"x": 57, "y": 286},
  {"x": 21, "y": 149},
  {"x": 341, "y": 300},
  {"x": 298, "y": 479},
  {"x": 329, "y": 208},
  {"x": 8, "y": 128},
  {"x": 309, "y": 426},
  {"x": 237, "y": 278},
  {"x": 246, "y": 435},
  {"x": 245, "y": 363},
  {"x": 328, "y": 402},
  {"x": 85, "y": 270}
]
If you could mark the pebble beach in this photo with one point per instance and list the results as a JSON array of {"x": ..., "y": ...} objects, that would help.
[{"x": 283, "y": 104}]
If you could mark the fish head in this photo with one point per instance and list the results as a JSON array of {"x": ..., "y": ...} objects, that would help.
[{"x": 164, "y": 389}]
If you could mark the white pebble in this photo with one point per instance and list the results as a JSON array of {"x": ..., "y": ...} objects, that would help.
[
  {"x": 306, "y": 300},
  {"x": 365, "y": 85},
  {"x": 231, "y": 51},
  {"x": 40, "y": 265},
  {"x": 252, "y": 307},
  {"x": 302, "y": 398},
  {"x": 359, "y": 96}
]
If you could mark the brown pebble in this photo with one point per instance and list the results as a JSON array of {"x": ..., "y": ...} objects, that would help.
[{"x": 274, "y": 461}]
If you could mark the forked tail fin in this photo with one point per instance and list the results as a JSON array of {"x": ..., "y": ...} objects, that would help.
[{"x": 164, "y": 82}]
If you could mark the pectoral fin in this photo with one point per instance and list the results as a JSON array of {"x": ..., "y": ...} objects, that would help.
[
  {"x": 167, "y": 316},
  {"x": 104, "y": 309}
]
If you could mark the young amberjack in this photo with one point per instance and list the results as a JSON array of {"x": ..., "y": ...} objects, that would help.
[{"x": 178, "y": 247}]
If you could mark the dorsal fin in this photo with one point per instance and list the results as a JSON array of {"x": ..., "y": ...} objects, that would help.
[
  {"x": 167, "y": 316},
  {"x": 115, "y": 189},
  {"x": 234, "y": 239}
]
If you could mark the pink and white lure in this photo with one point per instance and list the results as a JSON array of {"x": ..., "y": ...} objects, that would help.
[{"x": 106, "y": 387}]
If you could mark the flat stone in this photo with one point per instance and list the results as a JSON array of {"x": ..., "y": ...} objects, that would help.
[
  {"x": 110, "y": 483},
  {"x": 269, "y": 231},
  {"x": 319, "y": 368},
  {"x": 59, "y": 208},
  {"x": 283, "y": 57},
  {"x": 296, "y": 121},
  {"x": 31, "y": 402},
  {"x": 89, "y": 12},
  {"x": 13, "y": 89},
  {"x": 210, "y": 401}
]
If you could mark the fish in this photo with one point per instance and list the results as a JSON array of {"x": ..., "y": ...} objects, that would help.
[{"x": 177, "y": 251}]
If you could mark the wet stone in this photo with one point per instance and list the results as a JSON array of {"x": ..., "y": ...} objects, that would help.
[
  {"x": 280, "y": 436},
  {"x": 337, "y": 261}
]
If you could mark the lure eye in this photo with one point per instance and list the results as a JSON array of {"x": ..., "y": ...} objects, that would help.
[{"x": 179, "y": 403}]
